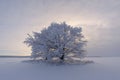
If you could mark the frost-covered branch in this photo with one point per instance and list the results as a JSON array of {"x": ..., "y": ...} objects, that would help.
[{"x": 58, "y": 40}]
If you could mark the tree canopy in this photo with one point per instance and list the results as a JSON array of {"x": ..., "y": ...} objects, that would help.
[{"x": 58, "y": 40}]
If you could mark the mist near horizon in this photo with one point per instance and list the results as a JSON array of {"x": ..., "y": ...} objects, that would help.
[{"x": 99, "y": 20}]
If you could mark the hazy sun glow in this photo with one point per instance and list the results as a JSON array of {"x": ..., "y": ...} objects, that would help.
[{"x": 100, "y": 22}]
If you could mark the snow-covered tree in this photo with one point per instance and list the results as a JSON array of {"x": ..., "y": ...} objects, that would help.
[{"x": 58, "y": 40}]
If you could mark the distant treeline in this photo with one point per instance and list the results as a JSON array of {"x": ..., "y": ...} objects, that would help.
[{"x": 14, "y": 56}]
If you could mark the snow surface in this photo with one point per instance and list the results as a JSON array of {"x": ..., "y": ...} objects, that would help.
[{"x": 104, "y": 68}]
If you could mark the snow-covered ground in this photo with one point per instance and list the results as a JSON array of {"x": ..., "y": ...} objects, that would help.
[{"x": 104, "y": 68}]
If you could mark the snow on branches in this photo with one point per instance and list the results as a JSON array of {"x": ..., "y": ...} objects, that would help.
[{"x": 60, "y": 41}]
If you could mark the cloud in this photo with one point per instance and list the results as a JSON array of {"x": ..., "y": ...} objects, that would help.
[
  {"x": 103, "y": 40},
  {"x": 99, "y": 18}
]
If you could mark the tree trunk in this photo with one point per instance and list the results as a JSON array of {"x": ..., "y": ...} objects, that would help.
[
  {"x": 62, "y": 57},
  {"x": 46, "y": 58}
]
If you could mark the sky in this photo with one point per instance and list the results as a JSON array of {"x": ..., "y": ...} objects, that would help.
[{"x": 99, "y": 20}]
